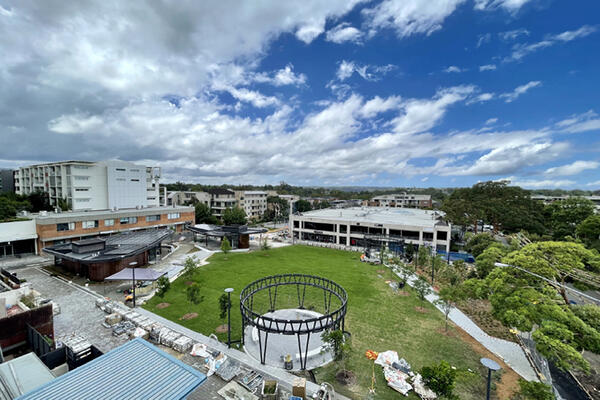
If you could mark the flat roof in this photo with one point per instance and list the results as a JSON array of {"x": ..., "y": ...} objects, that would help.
[
  {"x": 117, "y": 246},
  {"x": 134, "y": 370},
  {"x": 379, "y": 215},
  {"x": 110, "y": 213},
  {"x": 29, "y": 373}
]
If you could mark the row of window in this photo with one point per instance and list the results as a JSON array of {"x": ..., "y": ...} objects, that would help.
[{"x": 70, "y": 226}]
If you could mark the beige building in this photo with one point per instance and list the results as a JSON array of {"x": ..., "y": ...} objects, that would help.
[
  {"x": 182, "y": 198},
  {"x": 401, "y": 200},
  {"x": 253, "y": 202}
]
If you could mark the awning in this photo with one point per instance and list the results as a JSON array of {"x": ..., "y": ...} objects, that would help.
[{"x": 141, "y": 274}]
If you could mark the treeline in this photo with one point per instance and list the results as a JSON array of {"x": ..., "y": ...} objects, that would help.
[{"x": 11, "y": 204}]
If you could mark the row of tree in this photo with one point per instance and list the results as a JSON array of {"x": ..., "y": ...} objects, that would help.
[{"x": 11, "y": 204}]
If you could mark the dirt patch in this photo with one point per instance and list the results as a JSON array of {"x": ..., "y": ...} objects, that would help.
[
  {"x": 403, "y": 293},
  {"x": 442, "y": 331},
  {"x": 189, "y": 283},
  {"x": 160, "y": 306},
  {"x": 221, "y": 328},
  {"x": 187, "y": 316},
  {"x": 381, "y": 271},
  {"x": 421, "y": 310},
  {"x": 346, "y": 377},
  {"x": 480, "y": 311},
  {"x": 509, "y": 383}
]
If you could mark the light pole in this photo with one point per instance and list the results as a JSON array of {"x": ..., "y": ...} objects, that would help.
[
  {"x": 491, "y": 365},
  {"x": 228, "y": 291},
  {"x": 132, "y": 265}
]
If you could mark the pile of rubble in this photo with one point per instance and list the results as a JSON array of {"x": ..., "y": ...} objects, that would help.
[{"x": 398, "y": 373}]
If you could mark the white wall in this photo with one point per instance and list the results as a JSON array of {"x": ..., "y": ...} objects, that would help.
[
  {"x": 18, "y": 230},
  {"x": 95, "y": 197},
  {"x": 126, "y": 184}
]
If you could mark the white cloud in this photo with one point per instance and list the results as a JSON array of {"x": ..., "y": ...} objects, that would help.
[
  {"x": 253, "y": 97},
  {"x": 282, "y": 77},
  {"x": 368, "y": 72},
  {"x": 514, "y": 34},
  {"x": 541, "y": 184},
  {"x": 491, "y": 121},
  {"x": 588, "y": 121},
  {"x": 483, "y": 38},
  {"x": 74, "y": 123},
  {"x": 512, "y": 96},
  {"x": 487, "y": 67},
  {"x": 344, "y": 32},
  {"x": 572, "y": 169},
  {"x": 409, "y": 17},
  {"x": 509, "y": 5},
  {"x": 481, "y": 98},
  {"x": 524, "y": 49},
  {"x": 425, "y": 179},
  {"x": 453, "y": 68},
  {"x": 596, "y": 183}
]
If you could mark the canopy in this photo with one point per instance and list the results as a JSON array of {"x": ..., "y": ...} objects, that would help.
[{"x": 141, "y": 274}]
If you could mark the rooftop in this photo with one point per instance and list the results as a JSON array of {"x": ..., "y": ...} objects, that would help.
[
  {"x": 218, "y": 191},
  {"x": 107, "y": 213},
  {"x": 379, "y": 215},
  {"x": 135, "y": 370}
]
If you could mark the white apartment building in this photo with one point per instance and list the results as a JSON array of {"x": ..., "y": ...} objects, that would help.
[
  {"x": 254, "y": 203},
  {"x": 402, "y": 200},
  {"x": 350, "y": 226},
  {"x": 221, "y": 200},
  {"x": 89, "y": 185},
  {"x": 182, "y": 198}
]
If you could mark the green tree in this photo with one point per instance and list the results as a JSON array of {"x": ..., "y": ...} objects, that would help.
[
  {"x": 335, "y": 341},
  {"x": 192, "y": 293},
  {"x": 422, "y": 288},
  {"x": 63, "y": 204},
  {"x": 39, "y": 201},
  {"x": 225, "y": 245},
  {"x": 234, "y": 216},
  {"x": 162, "y": 286},
  {"x": 486, "y": 261},
  {"x": 589, "y": 231},
  {"x": 7, "y": 209},
  {"x": 223, "y": 305},
  {"x": 303, "y": 206},
  {"x": 533, "y": 391},
  {"x": 476, "y": 244},
  {"x": 440, "y": 378},
  {"x": 566, "y": 214},
  {"x": 448, "y": 297},
  {"x": 409, "y": 251},
  {"x": 423, "y": 255},
  {"x": 189, "y": 267},
  {"x": 203, "y": 214}
]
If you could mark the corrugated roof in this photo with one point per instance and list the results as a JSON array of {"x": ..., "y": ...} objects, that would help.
[{"x": 135, "y": 370}]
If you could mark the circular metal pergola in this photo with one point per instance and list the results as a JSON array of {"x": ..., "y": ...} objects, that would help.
[{"x": 330, "y": 319}]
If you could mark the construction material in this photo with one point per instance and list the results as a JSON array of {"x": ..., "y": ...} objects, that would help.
[
  {"x": 182, "y": 344},
  {"x": 233, "y": 391},
  {"x": 112, "y": 319},
  {"x": 299, "y": 387}
]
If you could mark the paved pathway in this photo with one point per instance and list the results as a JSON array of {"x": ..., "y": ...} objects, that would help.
[{"x": 510, "y": 352}]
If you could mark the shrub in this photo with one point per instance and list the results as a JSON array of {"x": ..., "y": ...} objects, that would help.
[
  {"x": 162, "y": 286},
  {"x": 440, "y": 378}
]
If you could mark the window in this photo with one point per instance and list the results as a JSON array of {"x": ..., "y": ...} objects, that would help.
[
  {"x": 134, "y": 170},
  {"x": 135, "y": 180},
  {"x": 121, "y": 169},
  {"x": 81, "y": 178},
  {"x": 121, "y": 179},
  {"x": 153, "y": 218},
  {"x": 65, "y": 226},
  {"x": 128, "y": 220},
  {"x": 82, "y": 200},
  {"x": 109, "y": 222},
  {"x": 89, "y": 224},
  {"x": 80, "y": 167},
  {"x": 82, "y": 189},
  {"x": 173, "y": 216}
]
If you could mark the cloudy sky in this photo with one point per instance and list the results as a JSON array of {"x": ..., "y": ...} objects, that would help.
[{"x": 336, "y": 92}]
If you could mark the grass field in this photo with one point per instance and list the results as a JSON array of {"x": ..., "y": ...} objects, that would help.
[{"x": 378, "y": 318}]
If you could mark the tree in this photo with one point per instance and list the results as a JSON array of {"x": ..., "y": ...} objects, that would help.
[
  {"x": 203, "y": 213},
  {"x": 7, "y": 209},
  {"x": 234, "y": 216},
  {"x": 422, "y": 287},
  {"x": 534, "y": 391},
  {"x": 448, "y": 297},
  {"x": 409, "y": 251},
  {"x": 440, "y": 378},
  {"x": 223, "y": 305},
  {"x": 264, "y": 244},
  {"x": 278, "y": 209},
  {"x": 566, "y": 214},
  {"x": 589, "y": 231},
  {"x": 225, "y": 245},
  {"x": 303, "y": 206},
  {"x": 335, "y": 341},
  {"x": 63, "y": 204},
  {"x": 189, "y": 266},
  {"x": 486, "y": 261},
  {"x": 193, "y": 294},
  {"x": 39, "y": 201},
  {"x": 476, "y": 244},
  {"x": 162, "y": 286},
  {"x": 423, "y": 256}
]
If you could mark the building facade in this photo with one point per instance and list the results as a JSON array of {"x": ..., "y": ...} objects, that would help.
[
  {"x": 254, "y": 203},
  {"x": 92, "y": 185},
  {"x": 221, "y": 200},
  {"x": 406, "y": 200},
  {"x": 182, "y": 198},
  {"x": 351, "y": 226},
  {"x": 7, "y": 181}
]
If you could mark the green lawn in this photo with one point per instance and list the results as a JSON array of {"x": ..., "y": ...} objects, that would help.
[{"x": 378, "y": 319}]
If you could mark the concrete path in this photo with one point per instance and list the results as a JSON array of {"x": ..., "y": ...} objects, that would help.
[{"x": 510, "y": 352}]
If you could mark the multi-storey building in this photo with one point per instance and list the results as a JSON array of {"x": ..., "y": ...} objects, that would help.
[
  {"x": 7, "y": 181},
  {"x": 92, "y": 185},
  {"x": 221, "y": 200},
  {"x": 351, "y": 226},
  {"x": 181, "y": 198},
  {"x": 407, "y": 200},
  {"x": 254, "y": 203}
]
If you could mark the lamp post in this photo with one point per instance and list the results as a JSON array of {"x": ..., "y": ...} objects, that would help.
[
  {"x": 432, "y": 264},
  {"x": 132, "y": 265},
  {"x": 228, "y": 291},
  {"x": 491, "y": 365}
]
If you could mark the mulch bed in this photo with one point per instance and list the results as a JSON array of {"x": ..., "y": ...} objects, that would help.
[
  {"x": 189, "y": 316},
  {"x": 160, "y": 306},
  {"x": 189, "y": 283},
  {"x": 403, "y": 293},
  {"x": 346, "y": 377},
  {"x": 221, "y": 328},
  {"x": 421, "y": 310}
]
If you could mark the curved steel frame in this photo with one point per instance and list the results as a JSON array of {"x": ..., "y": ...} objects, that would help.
[{"x": 332, "y": 319}]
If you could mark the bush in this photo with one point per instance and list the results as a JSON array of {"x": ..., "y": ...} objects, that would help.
[
  {"x": 440, "y": 378},
  {"x": 225, "y": 245},
  {"x": 422, "y": 287},
  {"x": 162, "y": 286},
  {"x": 533, "y": 391}
]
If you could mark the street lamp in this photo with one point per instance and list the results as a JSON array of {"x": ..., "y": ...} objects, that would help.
[
  {"x": 132, "y": 265},
  {"x": 228, "y": 291},
  {"x": 491, "y": 365}
]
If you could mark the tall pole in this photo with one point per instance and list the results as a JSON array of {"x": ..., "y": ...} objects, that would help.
[
  {"x": 132, "y": 265},
  {"x": 489, "y": 384},
  {"x": 228, "y": 291},
  {"x": 491, "y": 365},
  {"x": 432, "y": 265}
]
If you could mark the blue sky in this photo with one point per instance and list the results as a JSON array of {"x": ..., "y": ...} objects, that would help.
[{"x": 382, "y": 93}]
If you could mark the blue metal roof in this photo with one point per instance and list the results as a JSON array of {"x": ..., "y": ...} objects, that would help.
[{"x": 135, "y": 370}]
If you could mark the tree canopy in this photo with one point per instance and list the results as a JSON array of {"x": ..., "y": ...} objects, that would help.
[
  {"x": 204, "y": 214},
  {"x": 566, "y": 214},
  {"x": 303, "y": 206},
  {"x": 234, "y": 216},
  {"x": 589, "y": 231}
]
